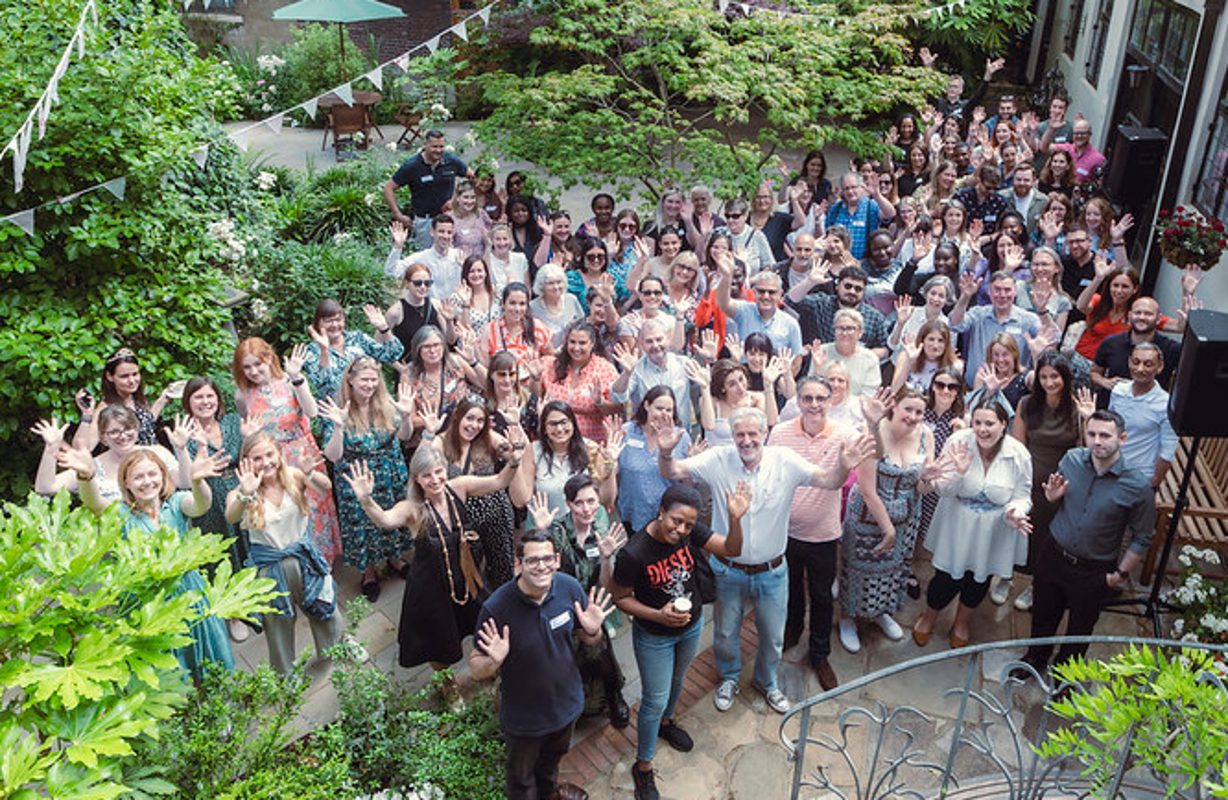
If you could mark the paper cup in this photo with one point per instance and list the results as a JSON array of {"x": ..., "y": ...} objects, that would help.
[{"x": 682, "y": 605}]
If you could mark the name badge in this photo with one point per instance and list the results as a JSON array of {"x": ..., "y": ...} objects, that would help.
[
  {"x": 592, "y": 551},
  {"x": 560, "y": 620},
  {"x": 635, "y": 443},
  {"x": 859, "y": 223},
  {"x": 427, "y": 178}
]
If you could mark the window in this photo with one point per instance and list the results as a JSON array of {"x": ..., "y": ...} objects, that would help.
[
  {"x": 1100, "y": 34},
  {"x": 1076, "y": 23},
  {"x": 1211, "y": 192},
  {"x": 1163, "y": 37}
]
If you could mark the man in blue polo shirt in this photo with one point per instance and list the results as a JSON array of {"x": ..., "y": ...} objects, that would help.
[
  {"x": 524, "y": 632},
  {"x": 430, "y": 176},
  {"x": 859, "y": 213}
]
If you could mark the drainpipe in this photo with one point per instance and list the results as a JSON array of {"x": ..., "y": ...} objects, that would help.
[{"x": 1181, "y": 140}]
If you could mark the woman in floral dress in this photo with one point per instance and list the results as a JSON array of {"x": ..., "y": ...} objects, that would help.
[{"x": 281, "y": 403}]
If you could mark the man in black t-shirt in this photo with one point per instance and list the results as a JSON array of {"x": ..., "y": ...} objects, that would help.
[
  {"x": 524, "y": 632},
  {"x": 431, "y": 176}
]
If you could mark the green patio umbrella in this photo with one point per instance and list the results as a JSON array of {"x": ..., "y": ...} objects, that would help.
[{"x": 341, "y": 12}]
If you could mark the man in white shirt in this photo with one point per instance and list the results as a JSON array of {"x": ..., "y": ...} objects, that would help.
[
  {"x": 759, "y": 573},
  {"x": 1150, "y": 442},
  {"x": 442, "y": 259}
]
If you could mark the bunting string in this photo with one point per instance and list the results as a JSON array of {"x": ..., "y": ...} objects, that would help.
[{"x": 19, "y": 144}]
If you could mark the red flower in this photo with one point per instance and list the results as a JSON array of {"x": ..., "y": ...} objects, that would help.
[
  {"x": 1218, "y": 225},
  {"x": 1165, "y": 213},
  {"x": 1180, "y": 209}
]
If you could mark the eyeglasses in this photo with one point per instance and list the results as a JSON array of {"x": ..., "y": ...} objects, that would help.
[
  {"x": 538, "y": 561},
  {"x": 945, "y": 386},
  {"x": 734, "y": 215},
  {"x": 766, "y": 291},
  {"x": 558, "y": 423},
  {"x": 628, "y": 226},
  {"x": 594, "y": 257},
  {"x": 419, "y": 282},
  {"x": 813, "y": 398},
  {"x": 121, "y": 433},
  {"x": 846, "y": 329},
  {"x": 684, "y": 268}
]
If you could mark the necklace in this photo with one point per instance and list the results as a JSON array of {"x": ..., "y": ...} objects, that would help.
[{"x": 443, "y": 546}]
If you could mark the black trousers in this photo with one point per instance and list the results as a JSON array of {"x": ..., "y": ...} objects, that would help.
[
  {"x": 1061, "y": 586},
  {"x": 812, "y": 563},
  {"x": 533, "y": 763},
  {"x": 943, "y": 588}
]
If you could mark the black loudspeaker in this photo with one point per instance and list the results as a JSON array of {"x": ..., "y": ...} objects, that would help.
[
  {"x": 1195, "y": 402},
  {"x": 1136, "y": 166}
]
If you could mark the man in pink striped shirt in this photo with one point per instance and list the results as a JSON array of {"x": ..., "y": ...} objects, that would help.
[{"x": 814, "y": 523}]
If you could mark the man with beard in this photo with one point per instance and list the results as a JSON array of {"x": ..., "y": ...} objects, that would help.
[
  {"x": 816, "y": 313},
  {"x": 1113, "y": 356}
]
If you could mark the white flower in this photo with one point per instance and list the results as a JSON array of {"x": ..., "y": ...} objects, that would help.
[
  {"x": 449, "y": 148},
  {"x": 260, "y": 309},
  {"x": 272, "y": 89},
  {"x": 270, "y": 63},
  {"x": 1185, "y": 560},
  {"x": 344, "y": 236},
  {"x": 1178, "y": 626},
  {"x": 392, "y": 146},
  {"x": 266, "y": 180},
  {"x": 371, "y": 198},
  {"x": 470, "y": 138},
  {"x": 359, "y": 136},
  {"x": 265, "y": 107}
]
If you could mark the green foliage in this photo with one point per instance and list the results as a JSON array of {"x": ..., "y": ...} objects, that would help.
[
  {"x": 314, "y": 769},
  {"x": 1164, "y": 710},
  {"x": 295, "y": 277},
  {"x": 233, "y": 725},
  {"x": 658, "y": 91},
  {"x": 980, "y": 30},
  {"x": 101, "y": 273},
  {"x": 86, "y": 632},
  {"x": 313, "y": 63}
]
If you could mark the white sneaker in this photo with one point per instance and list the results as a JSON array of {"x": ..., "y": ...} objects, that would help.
[
  {"x": 848, "y": 635},
  {"x": 999, "y": 590},
  {"x": 1024, "y": 601},
  {"x": 777, "y": 700},
  {"x": 835, "y": 589},
  {"x": 890, "y": 627},
  {"x": 724, "y": 695}
]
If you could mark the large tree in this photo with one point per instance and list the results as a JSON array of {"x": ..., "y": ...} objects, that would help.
[{"x": 658, "y": 91}]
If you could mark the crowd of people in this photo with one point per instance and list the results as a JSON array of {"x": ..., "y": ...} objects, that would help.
[{"x": 560, "y": 431}]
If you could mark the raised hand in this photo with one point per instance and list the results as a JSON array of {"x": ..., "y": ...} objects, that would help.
[
  {"x": 1085, "y": 402},
  {"x": 1119, "y": 228},
  {"x": 593, "y": 615},
  {"x": 185, "y": 428},
  {"x": 642, "y": 251},
  {"x": 497, "y": 643},
  {"x": 961, "y": 457},
  {"x": 1102, "y": 266},
  {"x": 668, "y": 438},
  {"x": 852, "y": 454},
  {"x": 968, "y": 284},
  {"x": 625, "y": 357},
  {"x": 698, "y": 374},
  {"x": 85, "y": 402},
  {"x": 817, "y": 356},
  {"x": 873, "y": 409},
  {"x": 988, "y": 378},
  {"x": 614, "y": 444},
  {"x": 734, "y": 343},
  {"x": 431, "y": 421},
  {"x": 614, "y": 538},
  {"x": 922, "y": 244},
  {"x": 49, "y": 432},
  {"x": 978, "y": 115},
  {"x": 927, "y": 57},
  {"x": 738, "y": 501},
  {"x": 334, "y": 413},
  {"x": 375, "y": 316},
  {"x": 400, "y": 234},
  {"x": 708, "y": 347},
  {"x": 1049, "y": 225},
  {"x": 208, "y": 466},
  {"x": 319, "y": 337},
  {"x": 541, "y": 512},
  {"x": 80, "y": 461},
  {"x": 910, "y": 349},
  {"x": 249, "y": 478},
  {"x": 696, "y": 448},
  {"x": 250, "y": 426},
  {"x": 774, "y": 369},
  {"x": 361, "y": 480},
  {"x": 1014, "y": 257},
  {"x": 294, "y": 362},
  {"x": 1037, "y": 344},
  {"x": 1019, "y": 522},
  {"x": 406, "y": 397},
  {"x": 904, "y": 308},
  {"x": 992, "y": 67},
  {"x": 1055, "y": 487},
  {"x": 1190, "y": 279}
]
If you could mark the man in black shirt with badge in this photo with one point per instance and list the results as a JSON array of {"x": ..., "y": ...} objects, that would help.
[
  {"x": 524, "y": 632},
  {"x": 430, "y": 176}
]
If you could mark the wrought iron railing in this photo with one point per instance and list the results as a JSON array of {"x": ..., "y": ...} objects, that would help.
[{"x": 978, "y": 738}]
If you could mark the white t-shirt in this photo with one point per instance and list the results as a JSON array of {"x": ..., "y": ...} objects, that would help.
[{"x": 765, "y": 526}]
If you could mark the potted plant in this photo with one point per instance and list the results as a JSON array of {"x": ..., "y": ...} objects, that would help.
[{"x": 1188, "y": 239}]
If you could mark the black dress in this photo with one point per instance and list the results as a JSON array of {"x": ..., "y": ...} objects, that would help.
[
  {"x": 433, "y": 623},
  {"x": 494, "y": 520}
]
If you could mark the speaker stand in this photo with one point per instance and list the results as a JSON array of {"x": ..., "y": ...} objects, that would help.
[{"x": 1151, "y": 605}]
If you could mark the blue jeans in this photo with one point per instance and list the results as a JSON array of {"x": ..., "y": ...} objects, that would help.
[
  {"x": 663, "y": 662},
  {"x": 770, "y": 593}
]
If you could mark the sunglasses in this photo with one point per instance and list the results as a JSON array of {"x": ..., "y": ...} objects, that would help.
[
  {"x": 946, "y": 386},
  {"x": 627, "y": 226},
  {"x": 651, "y": 292},
  {"x": 420, "y": 282},
  {"x": 594, "y": 257},
  {"x": 734, "y": 215}
]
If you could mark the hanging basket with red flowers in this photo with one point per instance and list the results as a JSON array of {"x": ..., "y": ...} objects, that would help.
[{"x": 1188, "y": 239}]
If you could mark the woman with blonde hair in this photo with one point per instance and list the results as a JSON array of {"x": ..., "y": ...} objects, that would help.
[
  {"x": 444, "y": 589},
  {"x": 470, "y": 223},
  {"x": 281, "y": 403},
  {"x": 370, "y": 426},
  {"x": 272, "y": 504}
]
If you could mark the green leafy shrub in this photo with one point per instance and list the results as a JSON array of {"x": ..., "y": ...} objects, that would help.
[
  {"x": 86, "y": 633},
  {"x": 295, "y": 277},
  {"x": 313, "y": 63}
]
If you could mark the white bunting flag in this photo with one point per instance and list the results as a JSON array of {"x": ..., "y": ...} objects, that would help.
[
  {"x": 459, "y": 30},
  {"x": 200, "y": 155},
  {"x": 240, "y": 139},
  {"x": 274, "y": 122},
  {"x": 20, "y": 148},
  {"x": 117, "y": 187},
  {"x": 402, "y": 62},
  {"x": 432, "y": 43},
  {"x": 722, "y": 5},
  {"x": 485, "y": 15},
  {"x": 346, "y": 92},
  {"x": 310, "y": 107},
  {"x": 376, "y": 76},
  {"x": 68, "y": 198},
  {"x": 23, "y": 220}
]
